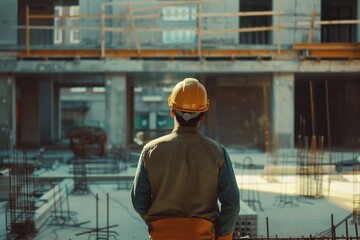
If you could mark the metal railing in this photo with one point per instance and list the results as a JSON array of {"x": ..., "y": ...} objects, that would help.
[{"x": 107, "y": 32}]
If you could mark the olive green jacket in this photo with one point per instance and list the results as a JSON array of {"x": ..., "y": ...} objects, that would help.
[{"x": 185, "y": 174}]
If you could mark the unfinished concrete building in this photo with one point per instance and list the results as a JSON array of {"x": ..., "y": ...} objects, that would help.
[
  {"x": 238, "y": 49},
  {"x": 267, "y": 65}
]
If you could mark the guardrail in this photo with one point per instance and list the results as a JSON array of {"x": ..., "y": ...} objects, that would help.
[{"x": 130, "y": 29}]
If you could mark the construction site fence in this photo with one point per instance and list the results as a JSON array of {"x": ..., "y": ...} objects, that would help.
[{"x": 137, "y": 27}]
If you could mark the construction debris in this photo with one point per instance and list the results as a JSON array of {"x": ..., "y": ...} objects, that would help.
[{"x": 86, "y": 143}]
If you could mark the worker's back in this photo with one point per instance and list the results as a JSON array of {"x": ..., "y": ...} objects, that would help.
[
  {"x": 183, "y": 169},
  {"x": 181, "y": 177}
]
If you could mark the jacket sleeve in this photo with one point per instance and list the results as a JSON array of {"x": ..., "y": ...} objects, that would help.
[
  {"x": 228, "y": 194},
  {"x": 141, "y": 191}
]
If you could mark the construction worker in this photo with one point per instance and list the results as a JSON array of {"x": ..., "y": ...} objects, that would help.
[{"x": 181, "y": 176}]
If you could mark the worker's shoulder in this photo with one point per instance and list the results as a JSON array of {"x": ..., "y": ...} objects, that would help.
[
  {"x": 155, "y": 142},
  {"x": 213, "y": 144}
]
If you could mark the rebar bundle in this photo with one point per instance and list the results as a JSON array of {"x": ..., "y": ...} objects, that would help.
[
  {"x": 356, "y": 189},
  {"x": 251, "y": 196},
  {"x": 60, "y": 215},
  {"x": 86, "y": 143},
  {"x": 309, "y": 164},
  {"x": 80, "y": 176},
  {"x": 20, "y": 212},
  {"x": 284, "y": 198}
]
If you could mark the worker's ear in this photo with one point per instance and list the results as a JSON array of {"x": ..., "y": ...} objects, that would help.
[
  {"x": 172, "y": 113},
  {"x": 202, "y": 116}
]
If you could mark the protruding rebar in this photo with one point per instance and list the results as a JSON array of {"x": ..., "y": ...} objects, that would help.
[{"x": 267, "y": 228}]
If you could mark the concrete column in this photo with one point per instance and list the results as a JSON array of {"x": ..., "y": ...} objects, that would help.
[
  {"x": 117, "y": 109},
  {"x": 283, "y": 102},
  {"x": 46, "y": 111},
  {"x": 7, "y": 111},
  {"x": 57, "y": 115},
  {"x": 152, "y": 120}
]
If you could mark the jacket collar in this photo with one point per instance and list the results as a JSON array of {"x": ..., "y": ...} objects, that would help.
[{"x": 181, "y": 129}]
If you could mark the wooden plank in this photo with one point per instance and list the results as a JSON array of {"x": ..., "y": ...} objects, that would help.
[
  {"x": 61, "y": 53},
  {"x": 27, "y": 30},
  {"x": 125, "y": 53},
  {"x": 102, "y": 28},
  {"x": 115, "y": 29},
  {"x": 311, "y": 29},
  {"x": 58, "y": 27},
  {"x": 318, "y": 46},
  {"x": 331, "y": 22},
  {"x": 252, "y": 29},
  {"x": 199, "y": 28},
  {"x": 152, "y": 3},
  {"x": 209, "y": 15},
  {"x": 348, "y": 54},
  {"x": 145, "y": 16},
  {"x": 133, "y": 29},
  {"x": 51, "y": 16},
  {"x": 279, "y": 27}
]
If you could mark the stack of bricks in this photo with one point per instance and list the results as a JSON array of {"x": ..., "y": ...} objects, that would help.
[{"x": 246, "y": 225}]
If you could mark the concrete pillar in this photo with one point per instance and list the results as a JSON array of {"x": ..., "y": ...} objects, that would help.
[
  {"x": 57, "y": 115},
  {"x": 152, "y": 120},
  {"x": 46, "y": 111},
  {"x": 7, "y": 111},
  {"x": 283, "y": 102},
  {"x": 117, "y": 109}
]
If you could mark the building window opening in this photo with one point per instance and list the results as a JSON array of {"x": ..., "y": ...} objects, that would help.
[
  {"x": 81, "y": 106},
  {"x": 183, "y": 17},
  {"x": 151, "y": 112},
  {"x": 338, "y": 10},
  {"x": 261, "y": 37},
  {"x": 58, "y": 22},
  {"x": 66, "y": 30}
]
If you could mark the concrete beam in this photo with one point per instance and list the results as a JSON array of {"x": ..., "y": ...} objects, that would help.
[{"x": 186, "y": 66}]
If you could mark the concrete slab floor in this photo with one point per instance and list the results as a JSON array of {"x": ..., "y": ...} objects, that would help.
[{"x": 300, "y": 217}]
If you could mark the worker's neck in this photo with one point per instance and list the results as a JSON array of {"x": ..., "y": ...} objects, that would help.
[{"x": 177, "y": 125}]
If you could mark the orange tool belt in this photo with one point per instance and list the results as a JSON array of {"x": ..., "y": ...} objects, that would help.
[{"x": 184, "y": 228}]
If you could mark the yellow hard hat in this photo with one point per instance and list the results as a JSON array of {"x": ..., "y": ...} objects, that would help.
[{"x": 189, "y": 95}]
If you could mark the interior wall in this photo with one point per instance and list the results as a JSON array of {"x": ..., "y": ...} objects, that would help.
[
  {"x": 29, "y": 116},
  {"x": 237, "y": 110},
  {"x": 344, "y": 108}
]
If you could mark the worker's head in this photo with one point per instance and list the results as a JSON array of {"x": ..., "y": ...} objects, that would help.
[{"x": 188, "y": 102}]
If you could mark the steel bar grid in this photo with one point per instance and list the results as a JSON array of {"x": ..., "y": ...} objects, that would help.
[
  {"x": 20, "y": 212},
  {"x": 356, "y": 190}
]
